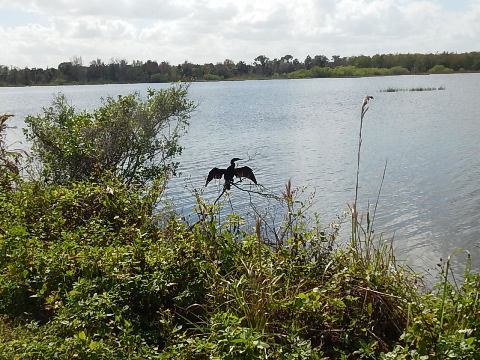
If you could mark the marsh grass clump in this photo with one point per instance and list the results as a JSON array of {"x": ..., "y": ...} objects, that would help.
[{"x": 394, "y": 89}]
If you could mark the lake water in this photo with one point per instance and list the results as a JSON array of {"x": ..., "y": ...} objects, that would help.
[{"x": 306, "y": 131}]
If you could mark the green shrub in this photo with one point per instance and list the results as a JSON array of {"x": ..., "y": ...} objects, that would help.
[
  {"x": 159, "y": 78},
  {"x": 9, "y": 160},
  {"x": 320, "y": 72},
  {"x": 89, "y": 262},
  {"x": 445, "y": 322},
  {"x": 398, "y": 70},
  {"x": 133, "y": 139},
  {"x": 212, "y": 77},
  {"x": 346, "y": 71},
  {"x": 440, "y": 69},
  {"x": 299, "y": 74}
]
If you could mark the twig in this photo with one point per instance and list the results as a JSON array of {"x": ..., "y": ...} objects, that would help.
[
  {"x": 381, "y": 293},
  {"x": 219, "y": 196},
  {"x": 378, "y": 197},
  {"x": 272, "y": 196}
]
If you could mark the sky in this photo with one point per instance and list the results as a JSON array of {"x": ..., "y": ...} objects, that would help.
[{"x": 41, "y": 33}]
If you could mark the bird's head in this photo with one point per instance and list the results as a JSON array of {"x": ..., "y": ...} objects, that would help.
[{"x": 233, "y": 160}]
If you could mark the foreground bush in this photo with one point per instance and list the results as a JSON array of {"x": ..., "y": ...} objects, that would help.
[
  {"x": 131, "y": 138},
  {"x": 88, "y": 272}
]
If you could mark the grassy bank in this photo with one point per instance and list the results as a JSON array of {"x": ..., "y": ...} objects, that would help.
[
  {"x": 91, "y": 274},
  {"x": 90, "y": 271}
]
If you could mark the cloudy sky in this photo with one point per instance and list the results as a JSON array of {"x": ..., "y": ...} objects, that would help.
[{"x": 40, "y": 33}]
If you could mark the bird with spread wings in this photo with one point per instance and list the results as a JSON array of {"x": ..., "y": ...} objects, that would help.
[{"x": 231, "y": 172}]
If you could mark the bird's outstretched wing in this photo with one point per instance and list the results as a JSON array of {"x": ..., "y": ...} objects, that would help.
[
  {"x": 215, "y": 173},
  {"x": 245, "y": 172}
]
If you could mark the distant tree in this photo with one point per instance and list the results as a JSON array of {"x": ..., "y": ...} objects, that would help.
[
  {"x": 241, "y": 68},
  {"x": 112, "y": 72},
  {"x": 337, "y": 60},
  {"x": 320, "y": 60},
  {"x": 209, "y": 69},
  {"x": 159, "y": 78},
  {"x": 286, "y": 58},
  {"x": 261, "y": 63},
  {"x": 261, "y": 60},
  {"x": 186, "y": 70},
  {"x": 221, "y": 70},
  {"x": 378, "y": 61},
  {"x": 296, "y": 64},
  {"x": 164, "y": 68},
  {"x": 285, "y": 64},
  {"x": 76, "y": 61},
  {"x": 71, "y": 72},
  {"x": 66, "y": 70},
  {"x": 96, "y": 70},
  {"x": 361, "y": 61},
  {"x": 308, "y": 62},
  {"x": 151, "y": 67}
]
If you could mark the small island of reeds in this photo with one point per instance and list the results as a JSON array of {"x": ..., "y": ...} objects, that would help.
[{"x": 396, "y": 89}]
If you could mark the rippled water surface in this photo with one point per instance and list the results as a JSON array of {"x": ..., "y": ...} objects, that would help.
[{"x": 306, "y": 130}]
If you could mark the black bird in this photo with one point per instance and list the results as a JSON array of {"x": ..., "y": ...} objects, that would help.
[{"x": 230, "y": 172}]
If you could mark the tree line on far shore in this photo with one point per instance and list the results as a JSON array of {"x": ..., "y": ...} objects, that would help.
[{"x": 121, "y": 71}]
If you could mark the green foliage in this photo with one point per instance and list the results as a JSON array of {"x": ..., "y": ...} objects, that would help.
[
  {"x": 345, "y": 71},
  {"x": 87, "y": 265},
  {"x": 399, "y": 70},
  {"x": 88, "y": 270},
  {"x": 212, "y": 77},
  {"x": 120, "y": 71},
  {"x": 445, "y": 323},
  {"x": 440, "y": 69},
  {"x": 159, "y": 78},
  {"x": 133, "y": 139},
  {"x": 9, "y": 160}
]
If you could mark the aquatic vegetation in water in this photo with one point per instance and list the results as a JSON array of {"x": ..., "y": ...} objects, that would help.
[{"x": 395, "y": 89}]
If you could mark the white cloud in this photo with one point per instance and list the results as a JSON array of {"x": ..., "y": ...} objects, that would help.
[
  {"x": 149, "y": 9},
  {"x": 212, "y": 30}
]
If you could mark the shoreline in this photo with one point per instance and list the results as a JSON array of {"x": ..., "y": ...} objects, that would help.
[{"x": 235, "y": 79}]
